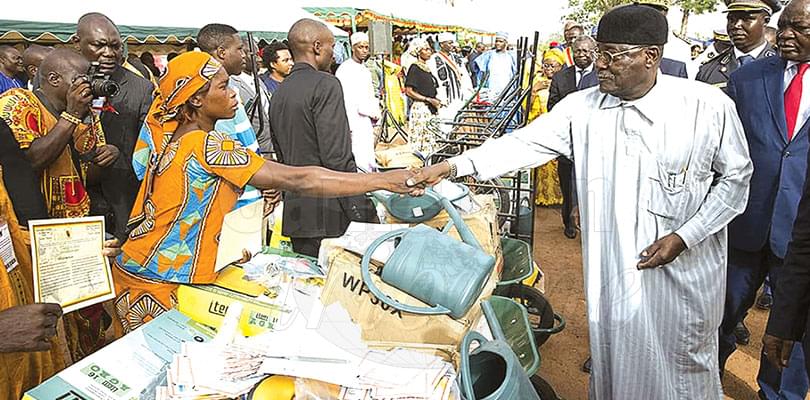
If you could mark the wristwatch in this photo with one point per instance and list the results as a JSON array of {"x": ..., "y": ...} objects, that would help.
[{"x": 453, "y": 170}]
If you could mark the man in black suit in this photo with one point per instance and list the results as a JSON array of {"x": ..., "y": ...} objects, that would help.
[
  {"x": 673, "y": 68},
  {"x": 581, "y": 75},
  {"x": 114, "y": 190},
  {"x": 790, "y": 313},
  {"x": 310, "y": 128}
]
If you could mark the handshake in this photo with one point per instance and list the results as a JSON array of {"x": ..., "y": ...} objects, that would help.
[{"x": 414, "y": 182}]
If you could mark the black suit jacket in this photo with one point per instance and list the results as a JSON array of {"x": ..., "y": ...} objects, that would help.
[
  {"x": 114, "y": 193},
  {"x": 565, "y": 82},
  {"x": 309, "y": 128},
  {"x": 673, "y": 68},
  {"x": 789, "y": 315}
]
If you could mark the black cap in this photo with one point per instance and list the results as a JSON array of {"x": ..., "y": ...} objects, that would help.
[{"x": 633, "y": 24}]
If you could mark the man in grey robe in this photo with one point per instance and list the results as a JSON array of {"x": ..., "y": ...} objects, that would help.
[{"x": 662, "y": 166}]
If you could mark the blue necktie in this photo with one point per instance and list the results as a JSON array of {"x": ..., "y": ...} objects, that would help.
[
  {"x": 581, "y": 82},
  {"x": 745, "y": 60}
]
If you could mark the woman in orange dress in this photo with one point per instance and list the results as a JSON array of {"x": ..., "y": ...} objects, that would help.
[{"x": 194, "y": 177}]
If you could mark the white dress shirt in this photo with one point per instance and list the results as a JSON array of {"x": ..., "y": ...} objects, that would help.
[
  {"x": 753, "y": 53},
  {"x": 804, "y": 105}
]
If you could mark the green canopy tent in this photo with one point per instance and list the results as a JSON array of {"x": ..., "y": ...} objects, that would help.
[{"x": 151, "y": 22}]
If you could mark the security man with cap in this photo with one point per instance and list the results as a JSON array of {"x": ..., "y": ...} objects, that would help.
[
  {"x": 720, "y": 43},
  {"x": 746, "y": 21}
]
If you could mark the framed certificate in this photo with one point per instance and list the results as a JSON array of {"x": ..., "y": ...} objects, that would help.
[{"x": 69, "y": 268}]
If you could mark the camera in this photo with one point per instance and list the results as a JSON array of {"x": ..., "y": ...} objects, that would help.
[{"x": 100, "y": 84}]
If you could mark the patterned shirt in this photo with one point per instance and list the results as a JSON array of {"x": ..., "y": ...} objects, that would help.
[
  {"x": 238, "y": 128},
  {"x": 197, "y": 180},
  {"x": 61, "y": 182}
]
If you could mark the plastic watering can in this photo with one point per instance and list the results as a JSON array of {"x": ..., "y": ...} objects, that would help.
[
  {"x": 415, "y": 209},
  {"x": 492, "y": 371},
  {"x": 435, "y": 268}
]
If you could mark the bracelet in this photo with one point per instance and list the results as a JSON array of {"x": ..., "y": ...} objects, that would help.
[
  {"x": 453, "y": 170},
  {"x": 70, "y": 118}
]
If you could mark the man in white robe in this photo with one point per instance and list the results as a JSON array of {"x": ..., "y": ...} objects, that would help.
[
  {"x": 499, "y": 64},
  {"x": 362, "y": 107},
  {"x": 663, "y": 167},
  {"x": 455, "y": 86}
]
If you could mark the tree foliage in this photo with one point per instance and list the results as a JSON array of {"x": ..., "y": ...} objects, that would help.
[{"x": 588, "y": 12}]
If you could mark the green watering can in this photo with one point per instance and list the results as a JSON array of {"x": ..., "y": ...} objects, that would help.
[
  {"x": 415, "y": 209},
  {"x": 427, "y": 264},
  {"x": 492, "y": 371}
]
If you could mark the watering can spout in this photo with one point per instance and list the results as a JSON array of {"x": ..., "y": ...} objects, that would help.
[{"x": 464, "y": 231}]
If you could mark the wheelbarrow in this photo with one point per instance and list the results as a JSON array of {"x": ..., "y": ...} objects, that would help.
[{"x": 517, "y": 267}]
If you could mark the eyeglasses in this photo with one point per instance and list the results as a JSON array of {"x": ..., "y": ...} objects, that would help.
[{"x": 606, "y": 57}]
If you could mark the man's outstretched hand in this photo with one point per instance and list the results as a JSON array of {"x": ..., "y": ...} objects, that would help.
[
  {"x": 429, "y": 176},
  {"x": 397, "y": 181}
]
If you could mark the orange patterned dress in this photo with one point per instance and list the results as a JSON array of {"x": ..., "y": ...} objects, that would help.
[{"x": 189, "y": 187}]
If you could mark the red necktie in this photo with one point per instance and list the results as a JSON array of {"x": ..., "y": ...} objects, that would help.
[{"x": 793, "y": 97}]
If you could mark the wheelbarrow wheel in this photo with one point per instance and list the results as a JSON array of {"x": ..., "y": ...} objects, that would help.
[
  {"x": 544, "y": 321},
  {"x": 503, "y": 201}
]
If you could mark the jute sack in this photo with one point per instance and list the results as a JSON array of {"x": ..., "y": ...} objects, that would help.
[
  {"x": 483, "y": 223},
  {"x": 397, "y": 157},
  {"x": 382, "y": 323}
]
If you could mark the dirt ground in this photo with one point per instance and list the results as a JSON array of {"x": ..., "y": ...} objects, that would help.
[{"x": 562, "y": 355}]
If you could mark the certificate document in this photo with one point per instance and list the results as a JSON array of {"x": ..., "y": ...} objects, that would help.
[{"x": 69, "y": 268}]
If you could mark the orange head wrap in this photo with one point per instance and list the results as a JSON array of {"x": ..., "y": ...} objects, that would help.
[{"x": 184, "y": 76}]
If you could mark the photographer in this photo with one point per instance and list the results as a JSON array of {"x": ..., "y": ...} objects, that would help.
[
  {"x": 40, "y": 132},
  {"x": 114, "y": 187}
]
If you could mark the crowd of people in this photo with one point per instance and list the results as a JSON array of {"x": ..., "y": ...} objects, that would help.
[{"x": 685, "y": 180}]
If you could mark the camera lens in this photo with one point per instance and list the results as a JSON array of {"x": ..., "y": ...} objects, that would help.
[{"x": 104, "y": 87}]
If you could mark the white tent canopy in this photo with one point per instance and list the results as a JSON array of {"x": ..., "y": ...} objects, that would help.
[{"x": 432, "y": 12}]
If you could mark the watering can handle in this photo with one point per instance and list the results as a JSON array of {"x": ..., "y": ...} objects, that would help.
[
  {"x": 463, "y": 230},
  {"x": 465, "y": 191},
  {"x": 364, "y": 270},
  {"x": 466, "y": 379}
]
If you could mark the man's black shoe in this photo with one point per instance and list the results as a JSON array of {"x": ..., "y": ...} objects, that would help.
[
  {"x": 742, "y": 334},
  {"x": 765, "y": 301},
  {"x": 570, "y": 233},
  {"x": 586, "y": 366}
]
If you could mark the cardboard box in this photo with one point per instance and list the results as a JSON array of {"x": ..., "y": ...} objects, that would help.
[
  {"x": 129, "y": 368},
  {"x": 208, "y": 304},
  {"x": 382, "y": 323}
]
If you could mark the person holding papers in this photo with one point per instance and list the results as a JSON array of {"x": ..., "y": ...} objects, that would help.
[{"x": 194, "y": 177}]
